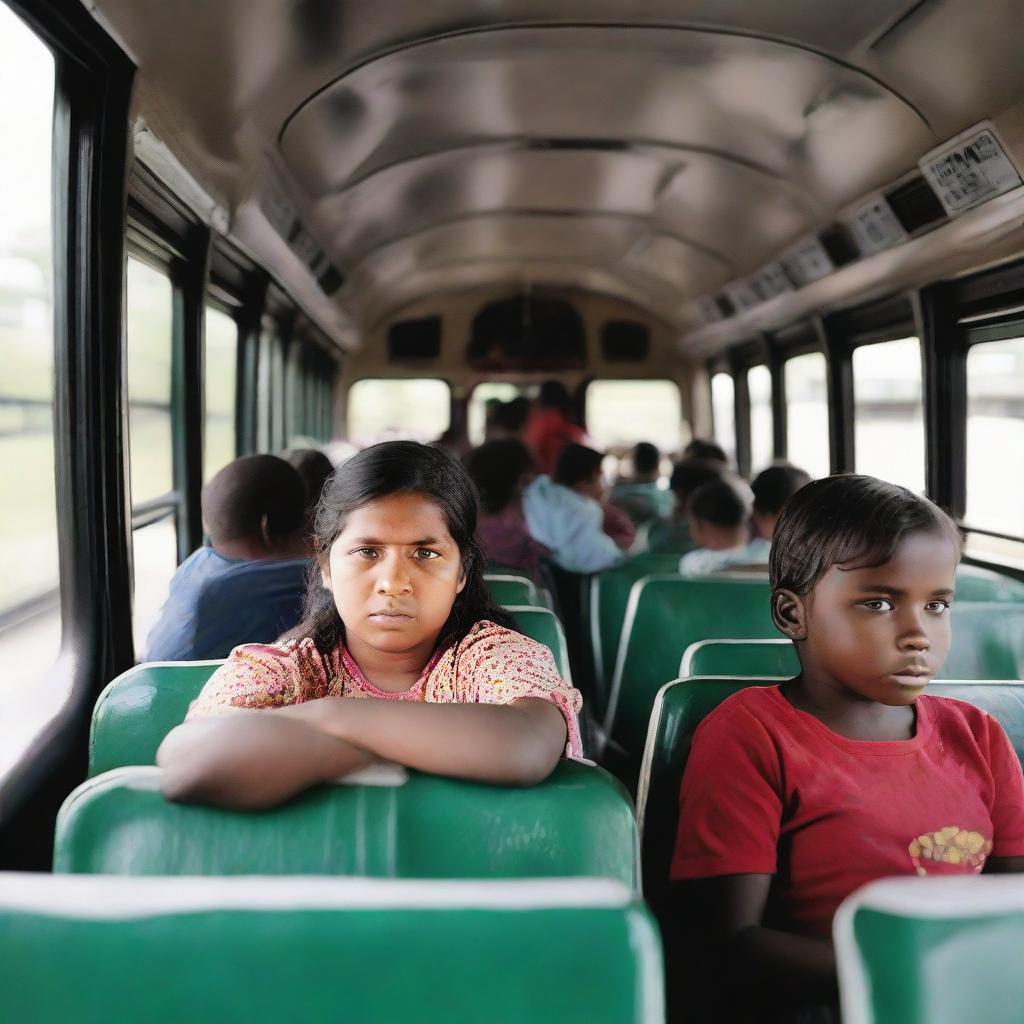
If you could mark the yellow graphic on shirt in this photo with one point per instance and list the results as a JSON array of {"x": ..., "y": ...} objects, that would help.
[{"x": 950, "y": 845}]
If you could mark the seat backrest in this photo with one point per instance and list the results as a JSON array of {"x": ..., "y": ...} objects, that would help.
[
  {"x": 139, "y": 708},
  {"x": 265, "y": 950},
  {"x": 609, "y": 595},
  {"x": 941, "y": 950},
  {"x": 988, "y": 641},
  {"x": 974, "y": 583},
  {"x": 665, "y": 615},
  {"x": 579, "y": 821},
  {"x": 542, "y": 625},
  {"x": 507, "y": 588},
  {"x": 683, "y": 704},
  {"x": 740, "y": 658}
]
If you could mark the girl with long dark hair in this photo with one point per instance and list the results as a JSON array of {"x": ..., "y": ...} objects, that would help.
[{"x": 402, "y": 656}]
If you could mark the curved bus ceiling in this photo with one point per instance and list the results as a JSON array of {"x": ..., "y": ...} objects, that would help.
[{"x": 654, "y": 155}]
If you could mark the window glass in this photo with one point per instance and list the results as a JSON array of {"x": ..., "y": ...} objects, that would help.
[
  {"x": 30, "y": 623},
  {"x": 723, "y": 411},
  {"x": 759, "y": 386},
  {"x": 155, "y": 558},
  {"x": 888, "y": 412},
  {"x": 383, "y": 410},
  {"x": 150, "y": 338},
  {"x": 220, "y": 367},
  {"x": 622, "y": 412},
  {"x": 476, "y": 414},
  {"x": 995, "y": 436},
  {"x": 807, "y": 413}
]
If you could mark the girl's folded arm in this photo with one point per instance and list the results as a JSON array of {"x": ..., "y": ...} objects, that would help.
[
  {"x": 251, "y": 759},
  {"x": 515, "y": 744}
]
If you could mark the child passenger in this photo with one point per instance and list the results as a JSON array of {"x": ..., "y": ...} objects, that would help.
[
  {"x": 797, "y": 794},
  {"x": 719, "y": 515},
  {"x": 402, "y": 656}
]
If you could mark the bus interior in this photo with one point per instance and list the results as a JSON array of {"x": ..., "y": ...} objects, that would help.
[{"x": 795, "y": 229}]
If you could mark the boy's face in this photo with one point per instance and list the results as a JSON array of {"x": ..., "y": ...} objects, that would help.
[
  {"x": 395, "y": 572},
  {"x": 882, "y": 632}
]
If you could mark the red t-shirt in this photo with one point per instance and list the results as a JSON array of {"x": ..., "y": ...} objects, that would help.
[{"x": 769, "y": 789}]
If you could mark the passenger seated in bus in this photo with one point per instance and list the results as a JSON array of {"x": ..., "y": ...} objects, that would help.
[
  {"x": 402, "y": 656},
  {"x": 509, "y": 420},
  {"x": 550, "y": 428},
  {"x": 673, "y": 534},
  {"x": 795, "y": 795},
  {"x": 699, "y": 448},
  {"x": 247, "y": 583},
  {"x": 639, "y": 496},
  {"x": 772, "y": 488},
  {"x": 501, "y": 470},
  {"x": 719, "y": 514},
  {"x": 566, "y": 515},
  {"x": 315, "y": 469}
]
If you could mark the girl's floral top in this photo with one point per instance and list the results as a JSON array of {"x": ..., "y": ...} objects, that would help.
[{"x": 491, "y": 665}]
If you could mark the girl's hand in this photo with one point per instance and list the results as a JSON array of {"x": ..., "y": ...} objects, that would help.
[{"x": 251, "y": 759}]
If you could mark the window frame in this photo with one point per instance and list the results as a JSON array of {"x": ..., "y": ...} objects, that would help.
[{"x": 92, "y": 91}]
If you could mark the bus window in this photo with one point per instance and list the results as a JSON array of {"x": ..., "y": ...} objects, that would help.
[
  {"x": 807, "y": 413},
  {"x": 995, "y": 439},
  {"x": 382, "y": 410},
  {"x": 888, "y": 412},
  {"x": 220, "y": 367},
  {"x": 762, "y": 448},
  {"x": 266, "y": 433},
  {"x": 476, "y": 413},
  {"x": 621, "y": 412},
  {"x": 30, "y": 620},
  {"x": 723, "y": 412},
  {"x": 148, "y": 303}
]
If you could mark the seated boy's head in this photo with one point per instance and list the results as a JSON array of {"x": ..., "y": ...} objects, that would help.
[
  {"x": 401, "y": 570},
  {"x": 698, "y": 448},
  {"x": 862, "y": 574},
  {"x": 690, "y": 474},
  {"x": 499, "y": 469},
  {"x": 579, "y": 469},
  {"x": 315, "y": 469},
  {"x": 646, "y": 459},
  {"x": 255, "y": 508},
  {"x": 719, "y": 514},
  {"x": 772, "y": 488}
]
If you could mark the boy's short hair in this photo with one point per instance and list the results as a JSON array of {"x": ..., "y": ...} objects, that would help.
[
  {"x": 846, "y": 519},
  {"x": 699, "y": 448},
  {"x": 575, "y": 464},
  {"x": 689, "y": 474},
  {"x": 237, "y": 498},
  {"x": 497, "y": 469},
  {"x": 645, "y": 457},
  {"x": 724, "y": 502},
  {"x": 774, "y": 486}
]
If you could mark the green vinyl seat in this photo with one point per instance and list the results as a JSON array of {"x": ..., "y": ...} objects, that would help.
[
  {"x": 513, "y": 589},
  {"x": 139, "y": 708},
  {"x": 607, "y": 600},
  {"x": 932, "y": 951},
  {"x": 337, "y": 951},
  {"x": 740, "y": 658},
  {"x": 683, "y": 704},
  {"x": 665, "y": 615},
  {"x": 973, "y": 583},
  {"x": 988, "y": 643},
  {"x": 579, "y": 821}
]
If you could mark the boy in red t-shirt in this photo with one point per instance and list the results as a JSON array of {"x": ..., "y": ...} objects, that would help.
[{"x": 795, "y": 795}]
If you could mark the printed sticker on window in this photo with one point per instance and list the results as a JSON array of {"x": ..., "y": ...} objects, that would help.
[{"x": 969, "y": 171}]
